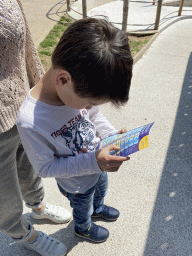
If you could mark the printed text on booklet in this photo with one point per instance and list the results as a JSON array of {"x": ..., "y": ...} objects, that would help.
[{"x": 129, "y": 142}]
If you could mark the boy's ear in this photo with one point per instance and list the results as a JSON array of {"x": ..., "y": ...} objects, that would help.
[{"x": 62, "y": 77}]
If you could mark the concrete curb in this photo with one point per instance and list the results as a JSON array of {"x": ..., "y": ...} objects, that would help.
[{"x": 146, "y": 47}]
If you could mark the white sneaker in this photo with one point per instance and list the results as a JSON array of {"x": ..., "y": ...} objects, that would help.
[
  {"x": 46, "y": 245},
  {"x": 54, "y": 213}
]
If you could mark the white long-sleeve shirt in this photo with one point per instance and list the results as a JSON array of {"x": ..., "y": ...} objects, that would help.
[{"x": 60, "y": 142}]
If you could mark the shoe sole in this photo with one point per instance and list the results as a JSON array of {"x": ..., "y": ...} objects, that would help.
[
  {"x": 99, "y": 217},
  {"x": 46, "y": 218},
  {"x": 29, "y": 248},
  {"x": 85, "y": 237}
]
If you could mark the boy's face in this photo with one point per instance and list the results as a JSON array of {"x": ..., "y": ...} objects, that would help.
[{"x": 71, "y": 99}]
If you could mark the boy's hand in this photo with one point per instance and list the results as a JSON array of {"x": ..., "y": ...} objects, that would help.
[
  {"x": 108, "y": 162},
  {"x": 123, "y": 130}
]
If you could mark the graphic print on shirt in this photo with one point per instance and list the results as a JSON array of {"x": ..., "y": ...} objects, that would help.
[{"x": 79, "y": 137}]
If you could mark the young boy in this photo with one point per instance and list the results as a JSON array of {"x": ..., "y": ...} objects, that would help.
[{"x": 58, "y": 121}]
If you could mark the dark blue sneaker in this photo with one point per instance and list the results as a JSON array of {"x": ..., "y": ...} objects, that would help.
[
  {"x": 94, "y": 233},
  {"x": 107, "y": 213}
]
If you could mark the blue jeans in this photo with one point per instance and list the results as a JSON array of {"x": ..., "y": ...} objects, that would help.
[{"x": 85, "y": 204}]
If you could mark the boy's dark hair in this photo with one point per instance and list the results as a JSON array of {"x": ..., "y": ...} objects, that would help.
[{"x": 98, "y": 57}]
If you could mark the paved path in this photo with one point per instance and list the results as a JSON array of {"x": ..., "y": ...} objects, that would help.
[
  {"x": 42, "y": 16},
  {"x": 153, "y": 191},
  {"x": 141, "y": 15}
]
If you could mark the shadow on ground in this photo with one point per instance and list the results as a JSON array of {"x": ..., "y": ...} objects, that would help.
[
  {"x": 58, "y": 10},
  {"x": 170, "y": 231},
  {"x": 65, "y": 235}
]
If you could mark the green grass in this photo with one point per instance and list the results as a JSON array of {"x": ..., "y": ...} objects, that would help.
[
  {"x": 137, "y": 43},
  {"x": 48, "y": 45}
]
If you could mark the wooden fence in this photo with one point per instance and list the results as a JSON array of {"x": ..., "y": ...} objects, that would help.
[{"x": 126, "y": 11}]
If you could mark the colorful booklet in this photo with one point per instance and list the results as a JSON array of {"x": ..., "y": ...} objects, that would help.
[{"x": 129, "y": 142}]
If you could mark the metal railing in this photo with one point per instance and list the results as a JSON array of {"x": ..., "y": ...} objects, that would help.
[{"x": 126, "y": 11}]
